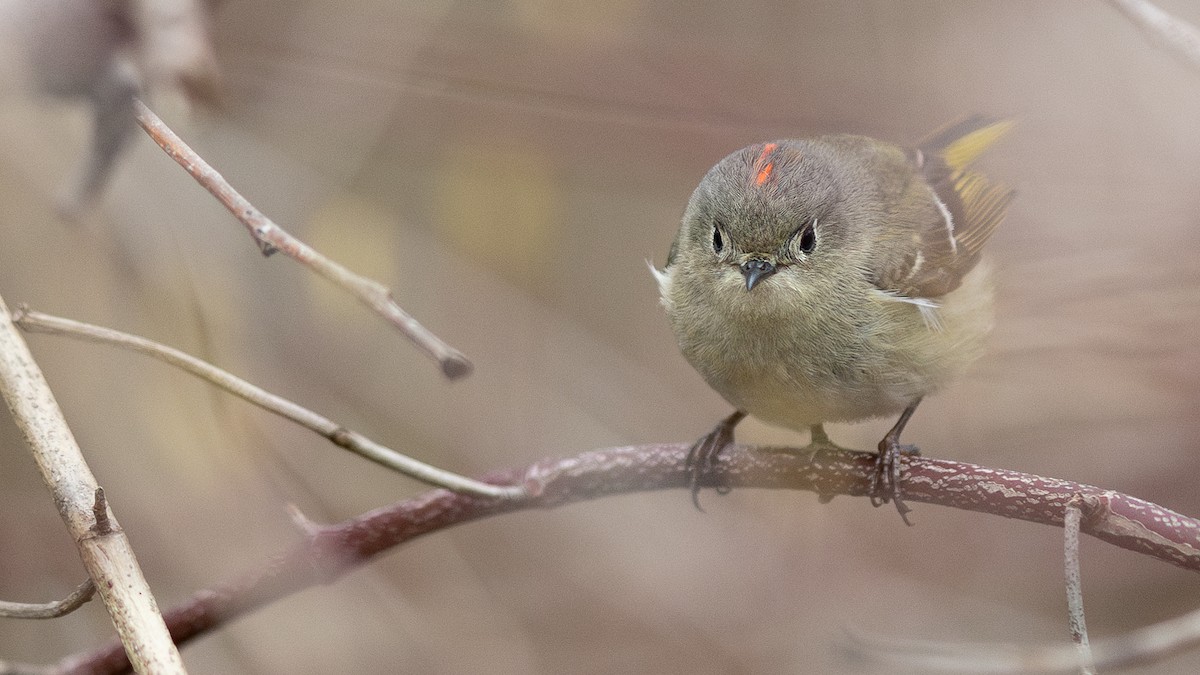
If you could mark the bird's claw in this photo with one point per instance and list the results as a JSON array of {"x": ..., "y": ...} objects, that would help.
[
  {"x": 702, "y": 457},
  {"x": 886, "y": 481}
]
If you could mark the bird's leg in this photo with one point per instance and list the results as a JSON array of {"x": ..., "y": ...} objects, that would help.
[
  {"x": 820, "y": 443},
  {"x": 702, "y": 457},
  {"x": 820, "y": 440},
  {"x": 885, "y": 484}
]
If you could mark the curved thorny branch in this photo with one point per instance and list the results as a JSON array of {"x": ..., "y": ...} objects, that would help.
[{"x": 329, "y": 551}]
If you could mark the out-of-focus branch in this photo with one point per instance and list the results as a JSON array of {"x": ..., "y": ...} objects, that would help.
[
  {"x": 105, "y": 551},
  {"x": 351, "y": 440},
  {"x": 1172, "y": 34},
  {"x": 49, "y": 610},
  {"x": 270, "y": 238},
  {"x": 107, "y": 53},
  {"x": 1136, "y": 648},
  {"x": 14, "y": 668},
  {"x": 330, "y": 551}
]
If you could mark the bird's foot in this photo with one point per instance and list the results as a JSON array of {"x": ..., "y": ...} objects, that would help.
[
  {"x": 886, "y": 482},
  {"x": 702, "y": 457}
]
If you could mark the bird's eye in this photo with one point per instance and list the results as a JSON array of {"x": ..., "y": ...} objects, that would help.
[
  {"x": 807, "y": 237},
  {"x": 718, "y": 242}
]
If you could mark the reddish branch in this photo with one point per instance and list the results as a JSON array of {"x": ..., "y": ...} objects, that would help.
[{"x": 331, "y": 551}]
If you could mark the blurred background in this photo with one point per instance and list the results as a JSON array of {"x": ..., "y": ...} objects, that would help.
[{"x": 508, "y": 168}]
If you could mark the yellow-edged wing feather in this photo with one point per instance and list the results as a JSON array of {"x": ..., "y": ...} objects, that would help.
[{"x": 976, "y": 204}]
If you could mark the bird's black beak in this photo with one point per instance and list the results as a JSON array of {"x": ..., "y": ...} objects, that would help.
[{"x": 755, "y": 270}]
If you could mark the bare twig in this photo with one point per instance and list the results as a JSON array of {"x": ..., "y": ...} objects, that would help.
[
  {"x": 108, "y": 557},
  {"x": 339, "y": 435},
  {"x": 270, "y": 238},
  {"x": 1172, "y": 34},
  {"x": 1139, "y": 647},
  {"x": 49, "y": 610},
  {"x": 331, "y": 551},
  {"x": 13, "y": 668},
  {"x": 1074, "y": 580}
]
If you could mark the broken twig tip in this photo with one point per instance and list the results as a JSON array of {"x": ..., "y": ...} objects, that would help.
[{"x": 455, "y": 366}]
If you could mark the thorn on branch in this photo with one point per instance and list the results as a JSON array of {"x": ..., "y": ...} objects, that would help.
[
  {"x": 102, "y": 525},
  {"x": 306, "y": 525}
]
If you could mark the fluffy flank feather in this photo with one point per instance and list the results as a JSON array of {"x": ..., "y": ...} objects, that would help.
[
  {"x": 928, "y": 308},
  {"x": 663, "y": 278}
]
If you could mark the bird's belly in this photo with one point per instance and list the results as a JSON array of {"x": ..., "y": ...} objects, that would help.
[
  {"x": 798, "y": 400},
  {"x": 865, "y": 357},
  {"x": 798, "y": 374}
]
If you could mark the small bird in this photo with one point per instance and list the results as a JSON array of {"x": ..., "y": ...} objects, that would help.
[{"x": 835, "y": 279}]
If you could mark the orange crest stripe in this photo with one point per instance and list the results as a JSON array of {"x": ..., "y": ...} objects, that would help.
[{"x": 762, "y": 167}]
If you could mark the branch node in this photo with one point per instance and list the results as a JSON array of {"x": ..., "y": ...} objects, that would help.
[
  {"x": 1094, "y": 508},
  {"x": 341, "y": 437},
  {"x": 533, "y": 487},
  {"x": 18, "y": 314}
]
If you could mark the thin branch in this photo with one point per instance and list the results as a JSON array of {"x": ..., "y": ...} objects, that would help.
[
  {"x": 1074, "y": 580},
  {"x": 13, "y": 668},
  {"x": 1137, "y": 648},
  {"x": 107, "y": 556},
  {"x": 271, "y": 238},
  {"x": 1176, "y": 36},
  {"x": 336, "y": 433},
  {"x": 49, "y": 610},
  {"x": 330, "y": 551}
]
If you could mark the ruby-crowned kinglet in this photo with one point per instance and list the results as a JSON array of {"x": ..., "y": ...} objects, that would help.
[{"x": 835, "y": 279}]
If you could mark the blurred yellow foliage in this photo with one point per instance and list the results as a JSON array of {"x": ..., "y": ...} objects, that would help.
[
  {"x": 501, "y": 205},
  {"x": 359, "y": 234},
  {"x": 574, "y": 21}
]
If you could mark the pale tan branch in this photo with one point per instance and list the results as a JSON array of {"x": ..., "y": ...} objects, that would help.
[
  {"x": 1140, "y": 647},
  {"x": 1175, "y": 35},
  {"x": 49, "y": 610},
  {"x": 271, "y": 238},
  {"x": 106, "y": 554},
  {"x": 1074, "y": 582},
  {"x": 336, "y": 433}
]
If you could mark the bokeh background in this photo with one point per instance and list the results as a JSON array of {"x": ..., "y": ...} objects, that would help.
[{"x": 508, "y": 168}]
